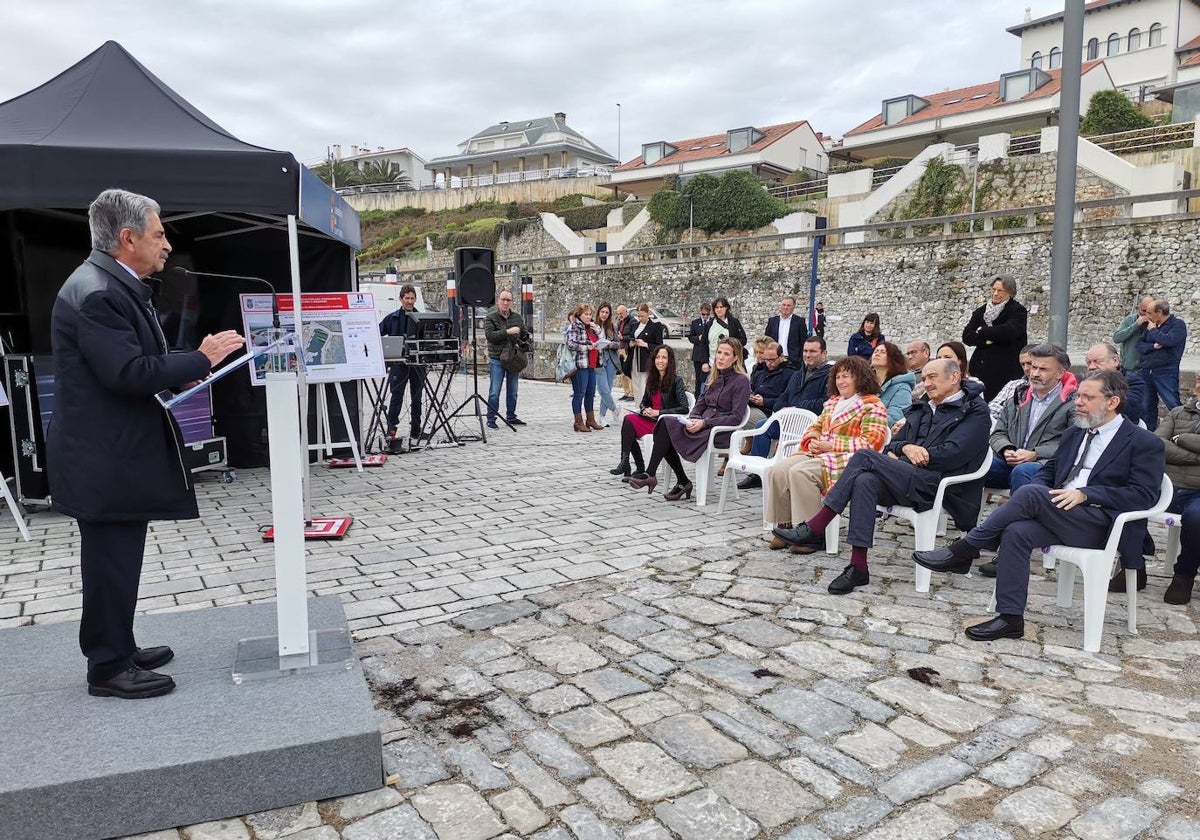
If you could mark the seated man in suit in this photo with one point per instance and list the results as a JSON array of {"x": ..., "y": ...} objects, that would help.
[
  {"x": 1105, "y": 356},
  {"x": 1104, "y": 466},
  {"x": 789, "y": 330},
  {"x": 946, "y": 433},
  {"x": 1033, "y": 419},
  {"x": 807, "y": 388}
]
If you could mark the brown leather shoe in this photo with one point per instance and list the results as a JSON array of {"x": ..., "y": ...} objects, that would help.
[
  {"x": 580, "y": 426},
  {"x": 1180, "y": 590},
  {"x": 591, "y": 422},
  {"x": 724, "y": 464},
  {"x": 746, "y": 444},
  {"x": 1117, "y": 583}
]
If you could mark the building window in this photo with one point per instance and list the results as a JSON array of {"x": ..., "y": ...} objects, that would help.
[
  {"x": 652, "y": 153},
  {"x": 895, "y": 110},
  {"x": 1093, "y": 49},
  {"x": 1055, "y": 58},
  {"x": 1013, "y": 86},
  {"x": 1135, "y": 39},
  {"x": 739, "y": 139},
  {"x": 1035, "y": 61},
  {"x": 1155, "y": 35},
  {"x": 1114, "y": 44}
]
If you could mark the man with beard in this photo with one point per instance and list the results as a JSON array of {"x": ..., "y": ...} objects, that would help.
[{"x": 1104, "y": 466}]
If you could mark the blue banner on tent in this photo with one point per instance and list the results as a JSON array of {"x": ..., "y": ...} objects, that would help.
[{"x": 327, "y": 211}]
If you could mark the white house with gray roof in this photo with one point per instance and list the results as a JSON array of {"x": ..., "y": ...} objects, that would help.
[{"x": 524, "y": 150}]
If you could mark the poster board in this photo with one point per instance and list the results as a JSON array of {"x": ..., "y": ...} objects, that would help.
[{"x": 340, "y": 338}]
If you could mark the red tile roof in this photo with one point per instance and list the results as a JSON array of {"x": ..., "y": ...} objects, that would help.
[
  {"x": 714, "y": 145},
  {"x": 967, "y": 99},
  {"x": 1193, "y": 44},
  {"x": 1192, "y": 61}
]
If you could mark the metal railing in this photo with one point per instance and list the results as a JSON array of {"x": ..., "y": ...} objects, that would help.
[
  {"x": 1025, "y": 219},
  {"x": 1172, "y": 136},
  {"x": 486, "y": 180},
  {"x": 820, "y": 186},
  {"x": 1028, "y": 144}
]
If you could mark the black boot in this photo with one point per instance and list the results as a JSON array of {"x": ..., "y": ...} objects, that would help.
[{"x": 622, "y": 468}]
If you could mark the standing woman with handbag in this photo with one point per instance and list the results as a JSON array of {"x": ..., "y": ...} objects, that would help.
[
  {"x": 583, "y": 339},
  {"x": 723, "y": 325},
  {"x": 645, "y": 336},
  {"x": 610, "y": 363}
]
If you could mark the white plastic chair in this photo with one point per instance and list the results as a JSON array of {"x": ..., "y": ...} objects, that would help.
[
  {"x": 1097, "y": 566},
  {"x": 792, "y": 424},
  {"x": 646, "y": 442},
  {"x": 1174, "y": 525},
  {"x": 833, "y": 529},
  {"x": 704, "y": 467}
]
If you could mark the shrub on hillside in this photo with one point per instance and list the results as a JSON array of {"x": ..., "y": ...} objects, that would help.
[{"x": 1110, "y": 111}]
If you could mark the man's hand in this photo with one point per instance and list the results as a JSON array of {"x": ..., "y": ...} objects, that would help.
[
  {"x": 513, "y": 330},
  {"x": 704, "y": 367},
  {"x": 1015, "y": 457},
  {"x": 918, "y": 456},
  {"x": 897, "y": 426},
  {"x": 756, "y": 399},
  {"x": 1067, "y": 499},
  {"x": 218, "y": 346}
]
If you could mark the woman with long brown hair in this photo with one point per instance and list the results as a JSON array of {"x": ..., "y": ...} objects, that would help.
[
  {"x": 895, "y": 381},
  {"x": 610, "y": 364},
  {"x": 723, "y": 403},
  {"x": 583, "y": 339},
  {"x": 665, "y": 394}
]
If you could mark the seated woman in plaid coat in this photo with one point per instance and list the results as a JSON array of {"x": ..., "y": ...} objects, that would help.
[{"x": 853, "y": 418}]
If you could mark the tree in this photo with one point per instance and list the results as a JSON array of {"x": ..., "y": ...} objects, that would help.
[
  {"x": 338, "y": 173},
  {"x": 735, "y": 201},
  {"x": 1110, "y": 111},
  {"x": 385, "y": 172}
]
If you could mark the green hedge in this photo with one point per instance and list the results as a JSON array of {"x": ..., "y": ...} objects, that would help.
[{"x": 586, "y": 218}]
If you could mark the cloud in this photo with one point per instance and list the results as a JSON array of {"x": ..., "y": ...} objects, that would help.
[{"x": 302, "y": 75}]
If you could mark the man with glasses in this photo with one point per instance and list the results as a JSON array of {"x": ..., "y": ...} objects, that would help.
[
  {"x": 1104, "y": 466},
  {"x": 501, "y": 326},
  {"x": 917, "y": 355}
]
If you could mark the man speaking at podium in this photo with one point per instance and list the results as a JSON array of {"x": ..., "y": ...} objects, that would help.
[{"x": 115, "y": 455}]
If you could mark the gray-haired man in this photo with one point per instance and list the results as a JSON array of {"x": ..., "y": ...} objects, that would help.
[{"x": 115, "y": 456}]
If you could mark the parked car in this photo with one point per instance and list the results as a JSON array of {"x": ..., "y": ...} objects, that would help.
[{"x": 676, "y": 325}]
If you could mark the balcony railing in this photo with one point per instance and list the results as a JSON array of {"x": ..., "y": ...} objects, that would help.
[
  {"x": 1172, "y": 136},
  {"x": 487, "y": 180}
]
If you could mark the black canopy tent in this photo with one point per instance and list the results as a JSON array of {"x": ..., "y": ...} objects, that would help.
[{"x": 228, "y": 206}]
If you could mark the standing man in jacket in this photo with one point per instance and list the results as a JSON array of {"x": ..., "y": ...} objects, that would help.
[
  {"x": 788, "y": 329},
  {"x": 115, "y": 454},
  {"x": 696, "y": 333},
  {"x": 402, "y": 375},
  {"x": 1161, "y": 347},
  {"x": 500, "y": 326},
  {"x": 623, "y": 326},
  {"x": 1130, "y": 331},
  {"x": 818, "y": 324}
]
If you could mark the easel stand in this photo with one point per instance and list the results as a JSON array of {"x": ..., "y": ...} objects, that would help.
[
  {"x": 325, "y": 442},
  {"x": 475, "y": 400}
]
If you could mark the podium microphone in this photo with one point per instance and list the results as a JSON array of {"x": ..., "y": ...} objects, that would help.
[{"x": 187, "y": 272}]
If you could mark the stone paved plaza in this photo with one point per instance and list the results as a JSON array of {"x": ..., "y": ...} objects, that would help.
[{"x": 554, "y": 656}]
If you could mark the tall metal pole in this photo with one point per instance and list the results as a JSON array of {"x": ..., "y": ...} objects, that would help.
[{"x": 1064, "y": 185}]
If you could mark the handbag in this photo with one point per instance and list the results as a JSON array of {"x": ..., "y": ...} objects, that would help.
[
  {"x": 564, "y": 367},
  {"x": 513, "y": 358}
]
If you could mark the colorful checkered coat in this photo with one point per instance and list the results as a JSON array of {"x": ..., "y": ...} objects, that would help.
[{"x": 862, "y": 424}]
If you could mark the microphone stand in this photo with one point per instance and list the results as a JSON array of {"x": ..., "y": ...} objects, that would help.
[{"x": 187, "y": 272}]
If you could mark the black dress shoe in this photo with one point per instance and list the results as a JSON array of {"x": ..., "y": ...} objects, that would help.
[
  {"x": 848, "y": 581},
  {"x": 1117, "y": 582},
  {"x": 800, "y": 535},
  {"x": 133, "y": 684},
  {"x": 516, "y": 421},
  {"x": 750, "y": 482},
  {"x": 942, "y": 560},
  {"x": 988, "y": 569},
  {"x": 152, "y": 658},
  {"x": 998, "y": 628}
]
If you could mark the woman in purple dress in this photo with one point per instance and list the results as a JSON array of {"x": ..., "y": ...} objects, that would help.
[{"x": 723, "y": 403}]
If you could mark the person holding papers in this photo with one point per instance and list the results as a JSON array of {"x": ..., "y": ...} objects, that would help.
[
  {"x": 114, "y": 454},
  {"x": 723, "y": 403}
]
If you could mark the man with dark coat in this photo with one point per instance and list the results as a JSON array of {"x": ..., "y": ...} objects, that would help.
[
  {"x": 768, "y": 381},
  {"x": 1161, "y": 346},
  {"x": 1106, "y": 356},
  {"x": 115, "y": 454},
  {"x": 807, "y": 389},
  {"x": 695, "y": 335},
  {"x": 403, "y": 376},
  {"x": 788, "y": 329},
  {"x": 945, "y": 434},
  {"x": 1104, "y": 466}
]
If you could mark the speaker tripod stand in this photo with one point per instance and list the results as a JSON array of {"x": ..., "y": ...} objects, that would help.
[{"x": 475, "y": 400}]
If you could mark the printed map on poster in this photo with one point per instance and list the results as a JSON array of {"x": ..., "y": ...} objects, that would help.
[{"x": 340, "y": 338}]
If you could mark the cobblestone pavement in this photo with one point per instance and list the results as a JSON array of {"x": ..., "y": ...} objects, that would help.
[{"x": 554, "y": 656}]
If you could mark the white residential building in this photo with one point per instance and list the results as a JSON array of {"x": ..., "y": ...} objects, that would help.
[
  {"x": 409, "y": 162},
  {"x": 1137, "y": 39}
]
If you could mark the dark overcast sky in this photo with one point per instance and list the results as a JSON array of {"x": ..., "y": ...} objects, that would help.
[{"x": 302, "y": 74}]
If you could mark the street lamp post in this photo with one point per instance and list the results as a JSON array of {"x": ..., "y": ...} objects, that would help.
[{"x": 618, "y": 133}]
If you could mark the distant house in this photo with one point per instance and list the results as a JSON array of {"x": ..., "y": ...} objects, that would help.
[
  {"x": 1184, "y": 94},
  {"x": 772, "y": 153},
  {"x": 543, "y": 147},
  {"x": 1025, "y": 99},
  {"x": 1137, "y": 39},
  {"x": 408, "y": 161}
]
